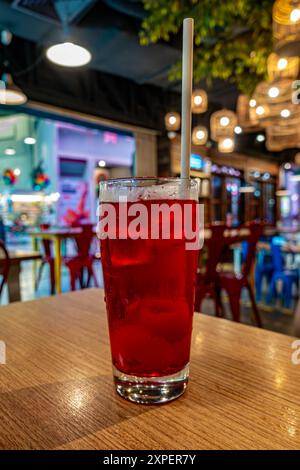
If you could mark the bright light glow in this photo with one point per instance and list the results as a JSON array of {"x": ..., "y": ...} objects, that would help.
[
  {"x": 282, "y": 63},
  {"x": 198, "y": 100},
  {"x": 238, "y": 130},
  {"x": 260, "y": 138},
  {"x": 224, "y": 121},
  {"x": 29, "y": 140},
  {"x": 227, "y": 143},
  {"x": 68, "y": 54},
  {"x": 10, "y": 151},
  {"x": 252, "y": 103},
  {"x": 172, "y": 120},
  {"x": 53, "y": 197},
  {"x": 295, "y": 15},
  {"x": 295, "y": 177},
  {"x": 295, "y": 197},
  {"x": 283, "y": 192},
  {"x": 102, "y": 163},
  {"x": 260, "y": 110},
  {"x": 285, "y": 113},
  {"x": 200, "y": 135},
  {"x": 287, "y": 166},
  {"x": 247, "y": 189},
  {"x": 17, "y": 172},
  {"x": 171, "y": 135},
  {"x": 273, "y": 92}
]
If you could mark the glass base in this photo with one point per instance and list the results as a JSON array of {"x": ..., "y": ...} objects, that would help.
[{"x": 151, "y": 390}]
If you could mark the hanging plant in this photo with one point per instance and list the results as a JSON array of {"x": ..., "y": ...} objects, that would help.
[
  {"x": 9, "y": 177},
  {"x": 40, "y": 180},
  {"x": 233, "y": 38}
]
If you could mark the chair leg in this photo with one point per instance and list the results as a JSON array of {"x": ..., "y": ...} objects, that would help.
[
  {"x": 52, "y": 278},
  {"x": 39, "y": 275},
  {"x": 219, "y": 309},
  {"x": 254, "y": 306},
  {"x": 234, "y": 300}
]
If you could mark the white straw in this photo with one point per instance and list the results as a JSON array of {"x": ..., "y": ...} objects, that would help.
[{"x": 187, "y": 83}]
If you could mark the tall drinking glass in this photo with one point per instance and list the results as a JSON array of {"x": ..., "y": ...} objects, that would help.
[{"x": 148, "y": 230}]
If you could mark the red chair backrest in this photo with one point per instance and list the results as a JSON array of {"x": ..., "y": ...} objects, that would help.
[
  {"x": 84, "y": 240},
  {"x": 4, "y": 265}
]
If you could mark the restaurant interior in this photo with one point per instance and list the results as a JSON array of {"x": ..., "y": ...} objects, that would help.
[{"x": 91, "y": 91}]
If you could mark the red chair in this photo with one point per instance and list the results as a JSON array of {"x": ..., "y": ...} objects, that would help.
[
  {"x": 4, "y": 265},
  {"x": 47, "y": 259},
  {"x": 233, "y": 283},
  {"x": 83, "y": 261},
  {"x": 206, "y": 283}
]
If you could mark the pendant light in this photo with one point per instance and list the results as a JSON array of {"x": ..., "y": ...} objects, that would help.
[
  {"x": 67, "y": 53},
  {"x": 10, "y": 93}
]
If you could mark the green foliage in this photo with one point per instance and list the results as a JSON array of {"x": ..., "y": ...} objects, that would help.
[{"x": 233, "y": 38}]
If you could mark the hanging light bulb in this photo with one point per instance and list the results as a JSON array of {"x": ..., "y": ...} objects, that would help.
[
  {"x": 273, "y": 92},
  {"x": 10, "y": 93},
  {"x": 199, "y": 101},
  {"x": 282, "y": 63},
  {"x": 172, "y": 121},
  {"x": 226, "y": 145},
  {"x": 252, "y": 103},
  {"x": 68, "y": 54},
  {"x": 199, "y": 135},
  {"x": 285, "y": 113},
  {"x": 295, "y": 15}
]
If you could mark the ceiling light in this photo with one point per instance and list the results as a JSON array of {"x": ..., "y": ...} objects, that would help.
[
  {"x": 171, "y": 135},
  {"x": 260, "y": 138},
  {"x": 17, "y": 172},
  {"x": 224, "y": 121},
  {"x": 68, "y": 54},
  {"x": 200, "y": 135},
  {"x": 282, "y": 63},
  {"x": 295, "y": 15},
  {"x": 287, "y": 166},
  {"x": 102, "y": 163},
  {"x": 10, "y": 93},
  {"x": 273, "y": 92},
  {"x": 285, "y": 113},
  {"x": 172, "y": 120},
  {"x": 198, "y": 100},
  {"x": 238, "y": 130},
  {"x": 252, "y": 103},
  {"x": 260, "y": 110},
  {"x": 10, "y": 151},
  {"x": 29, "y": 140}
]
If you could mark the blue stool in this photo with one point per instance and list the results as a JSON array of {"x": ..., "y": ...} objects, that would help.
[{"x": 289, "y": 277}]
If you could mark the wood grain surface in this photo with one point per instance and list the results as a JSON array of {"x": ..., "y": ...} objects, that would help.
[{"x": 56, "y": 389}]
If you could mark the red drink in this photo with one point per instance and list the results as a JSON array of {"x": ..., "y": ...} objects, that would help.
[{"x": 149, "y": 292}]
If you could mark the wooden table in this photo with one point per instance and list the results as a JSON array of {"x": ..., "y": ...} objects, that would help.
[
  {"x": 13, "y": 283},
  {"x": 56, "y": 390},
  {"x": 55, "y": 235}
]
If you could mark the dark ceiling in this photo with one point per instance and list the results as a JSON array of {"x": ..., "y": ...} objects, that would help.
[
  {"x": 124, "y": 81},
  {"x": 109, "y": 28}
]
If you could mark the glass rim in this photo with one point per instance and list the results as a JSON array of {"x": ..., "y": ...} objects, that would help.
[{"x": 151, "y": 180}]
